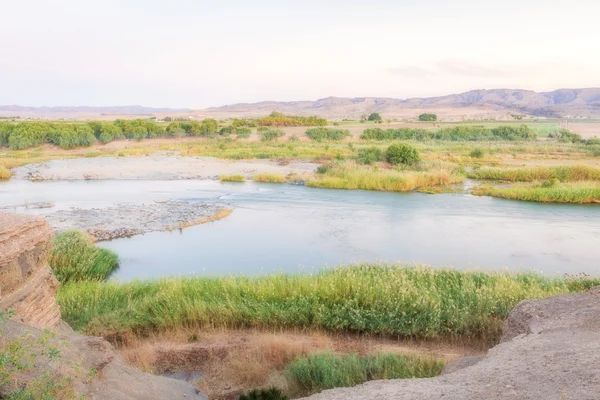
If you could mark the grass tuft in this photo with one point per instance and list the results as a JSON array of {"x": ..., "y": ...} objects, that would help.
[
  {"x": 573, "y": 173},
  {"x": 4, "y": 173},
  {"x": 546, "y": 192},
  {"x": 269, "y": 177},
  {"x": 232, "y": 178},
  {"x": 75, "y": 258}
]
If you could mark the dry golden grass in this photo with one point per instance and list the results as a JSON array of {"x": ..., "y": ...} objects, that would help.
[
  {"x": 4, "y": 173},
  {"x": 269, "y": 177},
  {"x": 222, "y": 213},
  {"x": 232, "y": 178}
]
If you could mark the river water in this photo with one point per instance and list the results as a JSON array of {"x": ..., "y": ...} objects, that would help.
[{"x": 286, "y": 228}]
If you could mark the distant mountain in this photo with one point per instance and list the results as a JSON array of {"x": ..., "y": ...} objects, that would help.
[
  {"x": 475, "y": 103},
  {"x": 67, "y": 111}
]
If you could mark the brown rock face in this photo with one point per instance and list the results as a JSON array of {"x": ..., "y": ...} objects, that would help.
[{"x": 27, "y": 284}]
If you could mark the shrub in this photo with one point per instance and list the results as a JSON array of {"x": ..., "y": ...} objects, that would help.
[
  {"x": 272, "y": 134},
  {"x": 477, "y": 153},
  {"x": 75, "y": 258},
  {"x": 369, "y": 155},
  {"x": 242, "y": 132},
  {"x": 401, "y": 153},
  {"x": 28, "y": 134},
  {"x": 428, "y": 117},
  {"x": 322, "y": 134},
  {"x": 69, "y": 136},
  {"x": 4, "y": 173},
  {"x": 318, "y": 372},
  {"x": 566, "y": 136},
  {"x": 262, "y": 394},
  {"x": 109, "y": 132},
  {"x": 5, "y": 130},
  {"x": 279, "y": 119}
]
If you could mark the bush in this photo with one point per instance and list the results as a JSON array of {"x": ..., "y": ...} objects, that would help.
[
  {"x": 109, "y": 132},
  {"x": 322, "y": 134},
  {"x": 4, "y": 173},
  {"x": 477, "y": 153},
  {"x": 5, "y": 130},
  {"x": 402, "y": 153},
  {"x": 75, "y": 258},
  {"x": 375, "y": 117},
  {"x": 566, "y": 136},
  {"x": 428, "y": 117},
  {"x": 28, "y": 134},
  {"x": 69, "y": 136},
  {"x": 261, "y": 394},
  {"x": 272, "y": 134},
  {"x": 369, "y": 155},
  {"x": 242, "y": 132},
  {"x": 232, "y": 178}
]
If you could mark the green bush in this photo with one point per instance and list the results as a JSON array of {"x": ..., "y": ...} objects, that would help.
[
  {"x": 318, "y": 372},
  {"x": 323, "y": 134},
  {"x": 75, "y": 258},
  {"x": 401, "y": 153},
  {"x": 262, "y": 394},
  {"x": 109, "y": 132},
  {"x": 272, "y": 134},
  {"x": 375, "y": 117},
  {"x": 428, "y": 117},
  {"x": 477, "y": 153},
  {"x": 242, "y": 132},
  {"x": 566, "y": 136},
  {"x": 29, "y": 134},
  {"x": 369, "y": 155},
  {"x": 6, "y": 129},
  {"x": 69, "y": 136}
]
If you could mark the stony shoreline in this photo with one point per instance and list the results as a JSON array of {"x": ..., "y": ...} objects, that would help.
[{"x": 125, "y": 220}]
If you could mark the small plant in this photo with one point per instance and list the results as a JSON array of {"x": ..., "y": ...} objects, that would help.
[
  {"x": 242, "y": 132},
  {"x": 477, "y": 153},
  {"x": 269, "y": 177},
  {"x": 369, "y": 155},
  {"x": 402, "y": 153},
  {"x": 272, "y": 134},
  {"x": 232, "y": 178},
  {"x": 262, "y": 394}
]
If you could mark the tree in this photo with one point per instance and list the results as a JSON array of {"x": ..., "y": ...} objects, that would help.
[
  {"x": 375, "y": 117},
  {"x": 428, "y": 117},
  {"x": 402, "y": 153}
]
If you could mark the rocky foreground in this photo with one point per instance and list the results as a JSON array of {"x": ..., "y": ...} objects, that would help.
[{"x": 550, "y": 349}]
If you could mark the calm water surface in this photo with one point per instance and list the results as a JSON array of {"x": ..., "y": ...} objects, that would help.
[{"x": 292, "y": 228}]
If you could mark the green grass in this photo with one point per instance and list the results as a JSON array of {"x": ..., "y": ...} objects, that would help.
[
  {"x": 76, "y": 258},
  {"x": 318, "y": 372},
  {"x": 355, "y": 176},
  {"x": 232, "y": 178},
  {"x": 383, "y": 299},
  {"x": 269, "y": 177},
  {"x": 572, "y": 173},
  {"x": 546, "y": 192}
]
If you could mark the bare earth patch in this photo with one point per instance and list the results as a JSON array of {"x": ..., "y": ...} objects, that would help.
[{"x": 153, "y": 168}]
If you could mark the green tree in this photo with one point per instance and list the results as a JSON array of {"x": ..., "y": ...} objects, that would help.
[
  {"x": 375, "y": 117},
  {"x": 428, "y": 117}
]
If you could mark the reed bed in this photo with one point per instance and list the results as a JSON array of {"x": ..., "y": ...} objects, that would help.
[
  {"x": 269, "y": 177},
  {"x": 573, "y": 173},
  {"x": 320, "y": 371},
  {"x": 576, "y": 192},
  {"x": 75, "y": 258},
  {"x": 354, "y": 176},
  {"x": 232, "y": 178},
  {"x": 408, "y": 301}
]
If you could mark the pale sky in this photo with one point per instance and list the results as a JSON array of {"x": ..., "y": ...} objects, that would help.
[{"x": 196, "y": 54}]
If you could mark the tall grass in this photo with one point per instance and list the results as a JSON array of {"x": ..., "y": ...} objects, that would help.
[
  {"x": 383, "y": 299},
  {"x": 355, "y": 176},
  {"x": 76, "y": 258},
  {"x": 318, "y": 372},
  {"x": 578, "y": 192},
  {"x": 562, "y": 173},
  {"x": 4, "y": 173},
  {"x": 232, "y": 178},
  {"x": 269, "y": 177}
]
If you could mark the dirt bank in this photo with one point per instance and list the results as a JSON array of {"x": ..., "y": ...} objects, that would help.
[
  {"x": 152, "y": 167},
  {"x": 550, "y": 350},
  {"x": 125, "y": 220}
]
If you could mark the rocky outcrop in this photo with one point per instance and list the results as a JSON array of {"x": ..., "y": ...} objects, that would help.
[
  {"x": 87, "y": 366},
  {"x": 550, "y": 350},
  {"x": 27, "y": 285}
]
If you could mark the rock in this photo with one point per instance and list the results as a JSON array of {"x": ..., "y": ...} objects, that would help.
[
  {"x": 27, "y": 285},
  {"x": 550, "y": 349},
  {"x": 96, "y": 371}
]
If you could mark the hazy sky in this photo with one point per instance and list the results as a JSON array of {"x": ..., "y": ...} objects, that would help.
[{"x": 193, "y": 53}]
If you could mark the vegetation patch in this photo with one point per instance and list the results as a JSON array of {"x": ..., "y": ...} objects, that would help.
[
  {"x": 232, "y": 178},
  {"x": 4, "y": 173},
  {"x": 546, "y": 192},
  {"x": 324, "y": 134},
  {"x": 382, "y": 299},
  {"x": 573, "y": 173},
  {"x": 269, "y": 177},
  {"x": 76, "y": 258},
  {"x": 456, "y": 133},
  {"x": 350, "y": 175},
  {"x": 318, "y": 372},
  {"x": 272, "y": 134}
]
